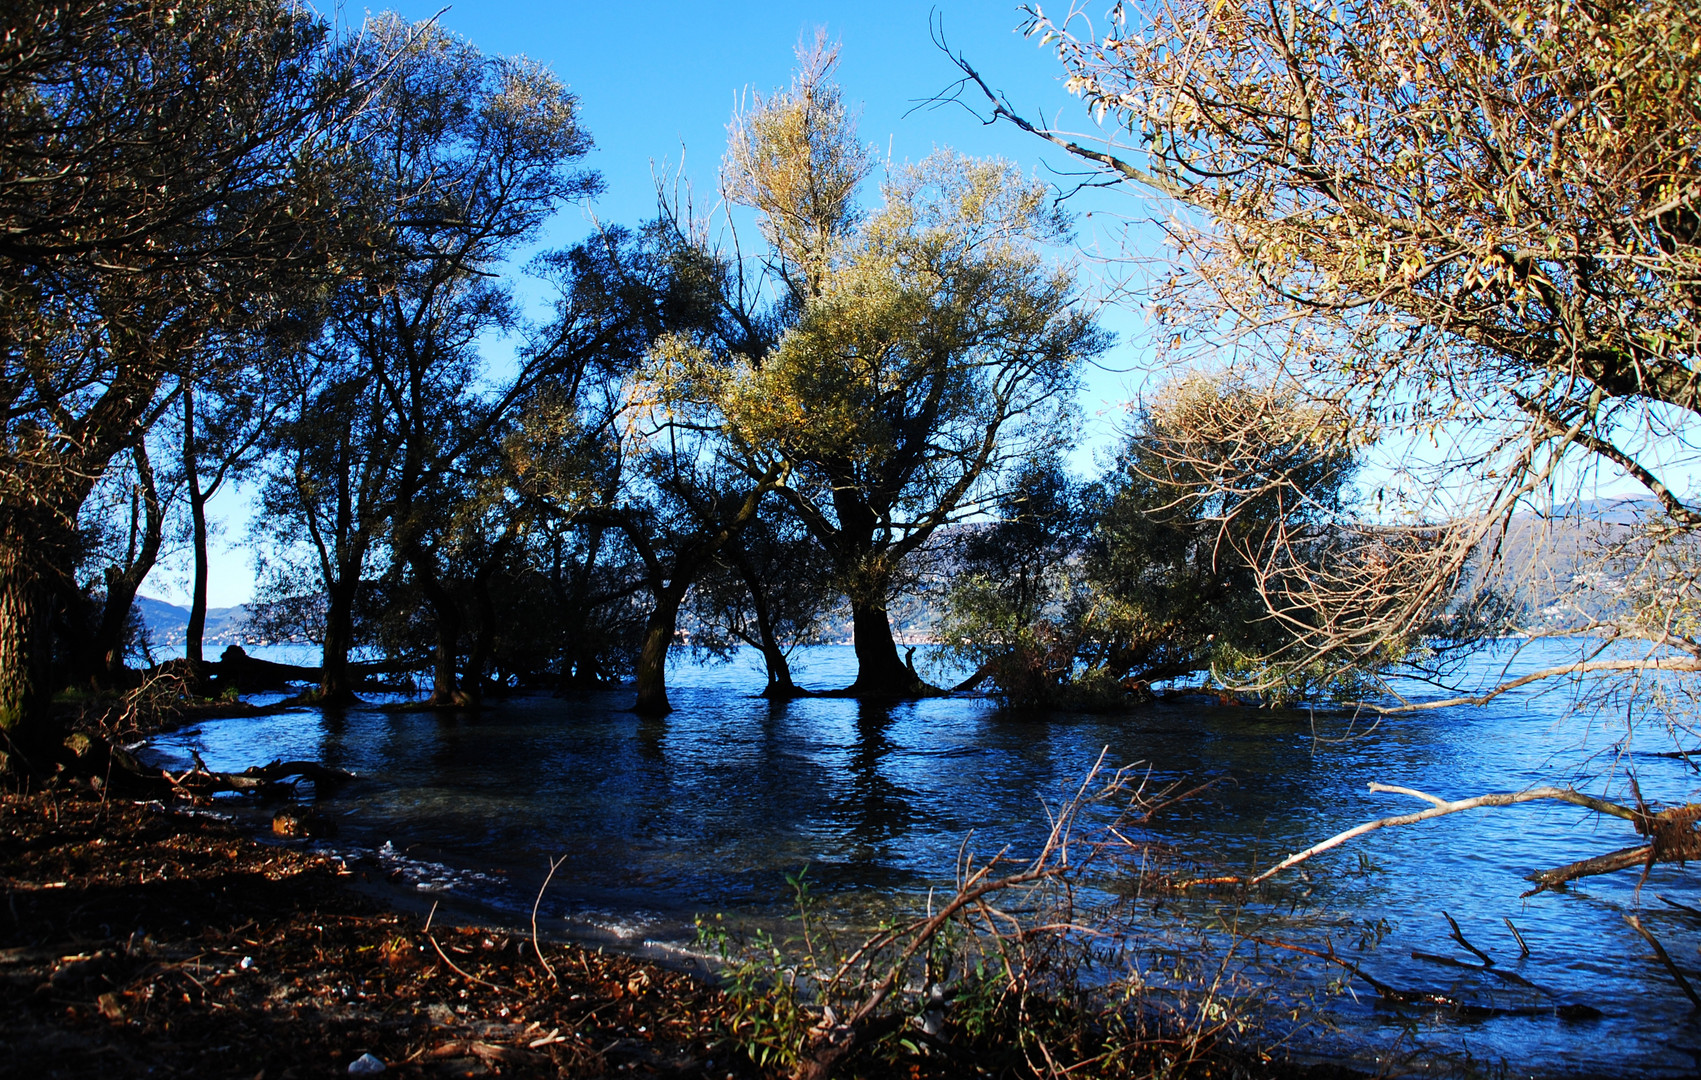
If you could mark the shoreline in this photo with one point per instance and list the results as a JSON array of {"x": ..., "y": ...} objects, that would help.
[
  {"x": 146, "y": 939},
  {"x": 149, "y": 940}
]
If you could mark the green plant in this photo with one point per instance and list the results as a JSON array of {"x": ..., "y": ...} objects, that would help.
[
  {"x": 767, "y": 1021},
  {"x": 1014, "y": 972}
]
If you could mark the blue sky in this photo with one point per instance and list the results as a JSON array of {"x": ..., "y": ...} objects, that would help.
[{"x": 657, "y": 84}]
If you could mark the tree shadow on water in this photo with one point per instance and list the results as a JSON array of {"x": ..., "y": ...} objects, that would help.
[{"x": 875, "y": 810}]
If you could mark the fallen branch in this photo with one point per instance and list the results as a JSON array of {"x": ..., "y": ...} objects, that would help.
[
  {"x": 1441, "y": 808},
  {"x": 832, "y": 1039},
  {"x": 1660, "y": 951},
  {"x": 489, "y": 1053},
  {"x": 1681, "y": 907},
  {"x": 1523, "y": 949},
  {"x": 204, "y": 781},
  {"x": 1430, "y": 999},
  {"x": 1622, "y": 859},
  {"x": 1459, "y": 936},
  {"x": 456, "y": 967}
]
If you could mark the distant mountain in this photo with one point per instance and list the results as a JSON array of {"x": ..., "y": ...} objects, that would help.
[
  {"x": 167, "y": 624},
  {"x": 1567, "y": 566}
]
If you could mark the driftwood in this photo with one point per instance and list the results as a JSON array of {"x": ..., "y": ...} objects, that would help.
[
  {"x": 99, "y": 762},
  {"x": 1671, "y": 832},
  {"x": 1665, "y": 959},
  {"x": 258, "y": 779},
  {"x": 236, "y": 668}
]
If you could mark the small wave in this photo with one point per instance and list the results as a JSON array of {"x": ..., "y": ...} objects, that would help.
[{"x": 423, "y": 874}]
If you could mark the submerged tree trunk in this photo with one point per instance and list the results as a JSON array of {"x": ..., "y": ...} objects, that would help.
[
  {"x": 445, "y": 686},
  {"x": 652, "y": 659},
  {"x": 484, "y": 607},
  {"x": 879, "y": 672},
  {"x": 773, "y": 656},
  {"x": 484, "y": 642},
  {"x": 335, "y": 680}
]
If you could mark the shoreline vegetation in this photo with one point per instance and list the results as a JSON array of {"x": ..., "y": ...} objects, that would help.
[{"x": 142, "y": 937}]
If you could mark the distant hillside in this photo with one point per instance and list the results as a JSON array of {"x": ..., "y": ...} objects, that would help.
[
  {"x": 167, "y": 623},
  {"x": 1565, "y": 567}
]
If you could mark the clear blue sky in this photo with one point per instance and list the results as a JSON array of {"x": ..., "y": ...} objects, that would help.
[{"x": 658, "y": 82}]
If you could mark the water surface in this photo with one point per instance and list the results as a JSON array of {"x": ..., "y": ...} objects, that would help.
[{"x": 711, "y": 808}]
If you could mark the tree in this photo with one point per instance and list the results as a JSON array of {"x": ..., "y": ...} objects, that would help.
[
  {"x": 1469, "y": 229},
  {"x": 1014, "y": 610},
  {"x": 1152, "y": 574},
  {"x": 649, "y": 453},
  {"x": 929, "y": 345},
  {"x": 121, "y": 527},
  {"x": 324, "y": 502},
  {"x": 769, "y": 589},
  {"x": 462, "y": 159},
  {"x": 163, "y": 172},
  {"x": 227, "y": 415},
  {"x": 1219, "y": 480},
  {"x": 123, "y": 581}
]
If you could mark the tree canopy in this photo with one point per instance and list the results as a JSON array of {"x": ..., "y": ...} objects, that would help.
[{"x": 1463, "y": 227}]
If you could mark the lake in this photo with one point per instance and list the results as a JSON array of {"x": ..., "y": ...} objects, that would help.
[{"x": 708, "y": 811}]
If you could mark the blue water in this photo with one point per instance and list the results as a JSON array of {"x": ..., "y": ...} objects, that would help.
[{"x": 709, "y": 809}]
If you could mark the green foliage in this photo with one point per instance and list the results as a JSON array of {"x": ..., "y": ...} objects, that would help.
[
  {"x": 1079, "y": 596},
  {"x": 766, "y": 1019},
  {"x": 928, "y": 346}
]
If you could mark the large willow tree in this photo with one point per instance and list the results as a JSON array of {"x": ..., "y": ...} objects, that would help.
[{"x": 931, "y": 345}]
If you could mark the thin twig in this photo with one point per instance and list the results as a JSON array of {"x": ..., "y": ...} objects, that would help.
[
  {"x": 553, "y": 865},
  {"x": 1459, "y": 936},
  {"x": 458, "y": 971},
  {"x": 1678, "y": 906},
  {"x": 1523, "y": 949}
]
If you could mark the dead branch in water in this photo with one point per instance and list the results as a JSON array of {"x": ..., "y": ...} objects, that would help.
[
  {"x": 257, "y": 779},
  {"x": 1430, "y": 999},
  {"x": 1019, "y": 917},
  {"x": 832, "y": 1039},
  {"x": 1671, "y": 830},
  {"x": 1664, "y": 958}
]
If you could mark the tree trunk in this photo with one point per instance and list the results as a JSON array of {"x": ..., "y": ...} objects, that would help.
[
  {"x": 335, "y": 681},
  {"x": 652, "y": 659},
  {"x": 197, "y": 628},
  {"x": 444, "y": 687},
  {"x": 26, "y": 616},
  {"x": 484, "y": 643},
  {"x": 122, "y": 584},
  {"x": 879, "y": 672},
  {"x": 484, "y": 640},
  {"x": 579, "y": 666},
  {"x": 773, "y": 656},
  {"x": 484, "y": 607}
]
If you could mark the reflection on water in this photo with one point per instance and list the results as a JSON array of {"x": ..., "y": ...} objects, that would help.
[{"x": 710, "y": 808}]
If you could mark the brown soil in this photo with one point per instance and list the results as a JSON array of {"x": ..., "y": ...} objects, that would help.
[{"x": 139, "y": 940}]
